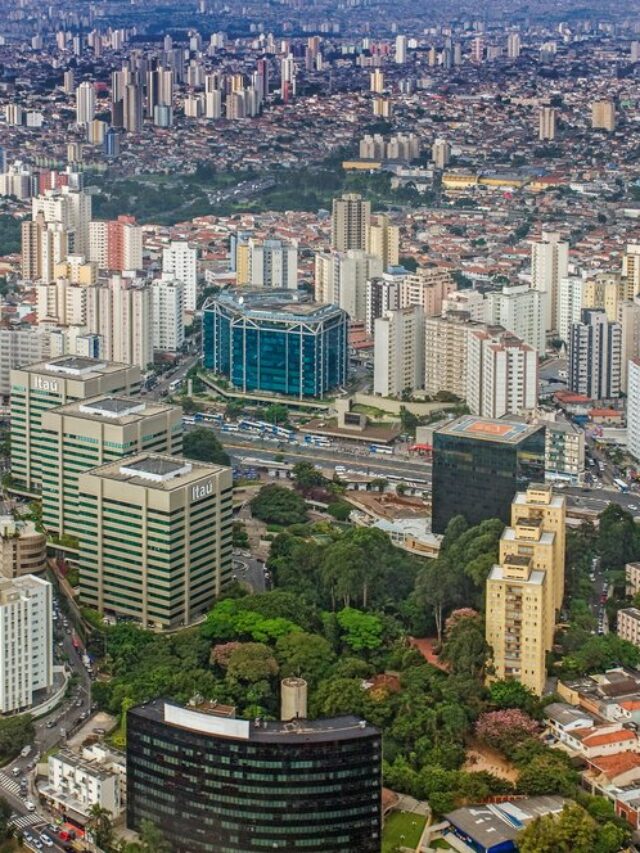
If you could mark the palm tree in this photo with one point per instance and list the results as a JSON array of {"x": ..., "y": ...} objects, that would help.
[{"x": 100, "y": 826}]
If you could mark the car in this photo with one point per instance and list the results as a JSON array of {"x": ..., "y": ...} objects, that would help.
[
  {"x": 29, "y": 806},
  {"x": 46, "y": 841},
  {"x": 50, "y": 724},
  {"x": 633, "y": 507}
]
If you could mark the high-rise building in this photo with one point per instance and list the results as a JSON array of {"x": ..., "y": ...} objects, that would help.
[
  {"x": 631, "y": 266},
  {"x": 376, "y": 84},
  {"x": 126, "y": 324},
  {"x": 37, "y": 388},
  {"x": 341, "y": 279},
  {"x": 470, "y": 450},
  {"x": 547, "y": 120},
  {"x": 111, "y": 143},
  {"x": 383, "y": 294},
  {"x": 68, "y": 208},
  {"x": 383, "y": 240},
  {"x": 570, "y": 304},
  {"x": 595, "y": 350},
  {"x": 607, "y": 291},
  {"x": 518, "y": 309},
  {"x": 180, "y": 261},
  {"x": 20, "y": 346},
  {"x": 88, "y": 433},
  {"x": 549, "y": 264},
  {"x": 276, "y": 341},
  {"x": 155, "y": 538},
  {"x": 342, "y": 756},
  {"x": 629, "y": 320},
  {"x": 85, "y": 103},
  {"x": 116, "y": 245},
  {"x": 349, "y": 222},
  {"x": 603, "y": 115},
  {"x": 441, "y": 153},
  {"x": 427, "y": 287},
  {"x": 525, "y": 589},
  {"x": 446, "y": 346},
  {"x": 398, "y": 360},
  {"x": 273, "y": 263},
  {"x": 502, "y": 374},
  {"x": 167, "y": 296},
  {"x": 633, "y": 408},
  {"x": 44, "y": 246},
  {"x": 401, "y": 50},
  {"x": 132, "y": 108},
  {"x": 513, "y": 45},
  {"x": 26, "y": 641}
]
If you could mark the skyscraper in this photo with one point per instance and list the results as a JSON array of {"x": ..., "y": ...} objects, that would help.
[
  {"x": 398, "y": 361},
  {"x": 383, "y": 240},
  {"x": 633, "y": 408},
  {"x": 595, "y": 351},
  {"x": 85, "y": 103},
  {"x": 168, "y": 314},
  {"x": 549, "y": 264},
  {"x": 180, "y": 261},
  {"x": 502, "y": 375},
  {"x": 401, "y": 50},
  {"x": 547, "y": 124},
  {"x": 349, "y": 222},
  {"x": 133, "y": 108}
]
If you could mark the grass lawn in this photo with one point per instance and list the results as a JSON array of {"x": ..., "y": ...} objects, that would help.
[
  {"x": 400, "y": 824},
  {"x": 441, "y": 844}
]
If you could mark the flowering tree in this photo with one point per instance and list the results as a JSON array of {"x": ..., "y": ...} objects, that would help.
[
  {"x": 221, "y": 653},
  {"x": 505, "y": 729},
  {"x": 457, "y": 616}
]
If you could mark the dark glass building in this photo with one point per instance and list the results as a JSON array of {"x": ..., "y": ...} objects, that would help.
[
  {"x": 215, "y": 784},
  {"x": 478, "y": 466},
  {"x": 275, "y": 341}
]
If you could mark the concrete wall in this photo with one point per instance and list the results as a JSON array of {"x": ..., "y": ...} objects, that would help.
[{"x": 393, "y": 406}]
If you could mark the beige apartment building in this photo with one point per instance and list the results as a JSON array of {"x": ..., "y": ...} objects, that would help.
[
  {"x": 155, "y": 543},
  {"x": 429, "y": 287},
  {"x": 628, "y": 625},
  {"x": 632, "y": 577},
  {"x": 23, "y": 549},
  {"x": 522, "y": 589},
  {"x": 350, "y": 222},
  {"x": 383, "y": 240},
  {"x": 446, "y": 347}
]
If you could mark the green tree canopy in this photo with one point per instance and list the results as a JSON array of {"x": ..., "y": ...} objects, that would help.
[
  {"x": 202, "y": 444},
  {"x": 277, "y": 505}
]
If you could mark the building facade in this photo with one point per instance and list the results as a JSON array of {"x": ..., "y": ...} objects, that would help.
[
  {"x": 39, "y": 387},
  {"x": 273, "y": 263},
  {"x": 168, "y": 303},
  {"x": 308, "y": 785},
  {"x": 155, "y": 538},
  {"x": 398, "y": 360},
  {"x": 502, "y": 374},
  {"x": 595, "y": 352},
  {"x": 549, "y": 264},
  {"x": 471, "y": 451},
  {"x": 518, "y": 309},
  {"x": 350, "y": 222},
  {"x": 89, "y": 433},
  {"x": 26, "y": 641},
  {"x": 276, "y": 342},
  {"x": 23, "y": 549},
  {"x": 180, "y": 261}
]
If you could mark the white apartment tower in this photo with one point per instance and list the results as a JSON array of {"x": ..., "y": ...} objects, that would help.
[
  {"x": 518, "y": 309},
  {"x": 398, "y": 363},
  {"x": 595, "y": 349},
  {"x": 273, "y": 263},
  {"x": 502, "y": 375},
  {"x": 341, "y": 279},
  {"x": 168, "y": 314},
  {"x": 26, "y": 641},
  {"x": 633, "y": 408},
  {"x": 180, "y": 261},
  {"x": 85, "y": 103},
  {"x": 549, "y": 264}
]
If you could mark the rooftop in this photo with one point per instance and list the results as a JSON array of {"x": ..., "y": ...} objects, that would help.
[
  {"x": 118, "y": 410},
  {"x": 279, "y": 305},
  {"x": 75, "y": 367},
  {"x": 487, "y": 429},
  {"x": 494, "y": 824},
  {"x": 326, "y": 729},
  {"x": 156, "y": 471}
]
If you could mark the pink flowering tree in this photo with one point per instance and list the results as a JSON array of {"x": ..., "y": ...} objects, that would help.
[
  {"x": 505, "y": 729},
  {"x": 221, "y": 653},
  {"x": 456, "y": 616}
]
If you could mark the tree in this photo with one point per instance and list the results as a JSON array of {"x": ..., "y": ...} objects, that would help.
[
  {"x": 408, "y": 420},
  {"x": 252, "y": 662},
  {"x": 547, "y": 774},
  {"x": 100, "y": 826},
  {"x": 5, "y": 814},
  {"x": 309, "y": 656},
  {"x": 306, "y": 476},
  {"x": 465, "y": 649},
  {"x": 153, "y": 841},
  {"x": 505, "y": 729},
  {"x": 276, "y": 413},
  {"x": 571, "y": 831},
  {"x": 277, "y": 505},
  {"x": 361, "y": 630},
  {"x": 513, "y": 694},
  {"x": 201, "y": 444}
]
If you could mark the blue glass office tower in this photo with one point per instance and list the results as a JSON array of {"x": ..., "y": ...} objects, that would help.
[{"x": 275, "y": 341}]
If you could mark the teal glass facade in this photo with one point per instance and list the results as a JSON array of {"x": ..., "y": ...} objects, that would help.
[{"x": 272, "y": 342}]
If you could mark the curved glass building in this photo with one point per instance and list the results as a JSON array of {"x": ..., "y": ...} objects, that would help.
[
  {"x": 216, "y": 784},
  {"x": 275, "y": 341}
]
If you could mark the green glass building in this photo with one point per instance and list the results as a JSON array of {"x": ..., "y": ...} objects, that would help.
[
  {"x": 478, "y": 466},
  {"x": 216, "y": 784}
]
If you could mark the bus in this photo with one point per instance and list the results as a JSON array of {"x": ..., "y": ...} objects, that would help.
[
  {"x": 188, "y": 420},
  {"x": 621, "y": 486},
  {"x": 173, "y": 386},
  {"x": 381, "y": 448}
]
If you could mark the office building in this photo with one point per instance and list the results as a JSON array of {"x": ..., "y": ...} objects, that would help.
[
  {"x": 85, "y": 103},
  {"x": 633, "y": 408},
  {"x": 276, "y": 341},
  {"x": 89, "y": 433},
  {"x": 518, "y": 309},
  {"x": 180, "y": 261},
  {"x": 155, "y": 538},
  {"x": 26, "y": 642},
  {"x": 167, "y": 296},
  {"x": 23, "y": 549},
  {"x": 398, "y": 360},
  {"x": 523, "y": 588},
  {"x": 502, "y": 374},
  {"x": 116, "y": 245},
  {"x": 349, "y": 222},
  {"x": 595, "y": 348},
  {"x": 37, "y": 388},
  {"x": 111, "y": 143},
  {"x": 547, "y": 119},
  {"x": 273, "y": 263},
  {"x": 549, "y": 265},
  {"x": 132, "y": 105},
  {"x": 470, "y": 452},
  {"x": 603, "y": 115},
  {"x": 383, "y": 240},
  {"x": 341, "y": 279},
  {"x": 315, "y": 784}
]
